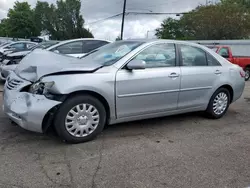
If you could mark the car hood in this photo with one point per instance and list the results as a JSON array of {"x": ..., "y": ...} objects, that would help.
[
  {"x": 22, "y": 53},
  {"x": 41, "y": 63}
]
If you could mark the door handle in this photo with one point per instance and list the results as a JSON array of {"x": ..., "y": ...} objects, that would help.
[
  {"x": 173, "y": 75},
  {"x": 217, "y": 72}
]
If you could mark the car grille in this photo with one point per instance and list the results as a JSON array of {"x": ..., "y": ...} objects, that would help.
[{"x": 13, "y": 83}]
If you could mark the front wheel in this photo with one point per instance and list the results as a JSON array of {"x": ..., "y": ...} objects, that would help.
[
  {"x": 80, "y": 119},
  {"x": 218, "y": 104},
  {"x": 247, "y": 74}
]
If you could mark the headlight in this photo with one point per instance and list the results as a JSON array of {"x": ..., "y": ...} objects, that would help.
[{"x": 40, "y": 88}]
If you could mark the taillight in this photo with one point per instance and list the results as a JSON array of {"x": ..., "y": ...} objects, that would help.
[{"x": 242, "y": 74}]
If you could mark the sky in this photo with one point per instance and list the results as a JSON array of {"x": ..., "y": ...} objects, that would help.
[{"x": 136, "y": 26}]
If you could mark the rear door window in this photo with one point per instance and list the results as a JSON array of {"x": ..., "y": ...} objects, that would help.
[{"x": 193, "y": 56}]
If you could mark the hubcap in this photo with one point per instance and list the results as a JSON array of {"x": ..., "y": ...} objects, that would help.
[
  {"x": 82, "y": 120},
  {"x": 220, "y": 103}
]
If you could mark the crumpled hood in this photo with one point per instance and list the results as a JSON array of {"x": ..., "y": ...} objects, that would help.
[
  {"x": 21, "y": 53},
  {"x": 42, "y": 62}
]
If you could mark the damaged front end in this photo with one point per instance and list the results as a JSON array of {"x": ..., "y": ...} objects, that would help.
[
  {"x": 24, "y": 108},
  {"x": 30, "y": 98}
]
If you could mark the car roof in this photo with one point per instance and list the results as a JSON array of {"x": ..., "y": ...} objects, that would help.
[
  {"x": 80, "y": 39},
  {"x": 153, "y": 41},
  {"x": 74, "y": 40},
  {"x": 16, "y": 42}
]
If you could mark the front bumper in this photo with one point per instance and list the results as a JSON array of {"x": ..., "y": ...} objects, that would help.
[{"x": 26, "y": 109}]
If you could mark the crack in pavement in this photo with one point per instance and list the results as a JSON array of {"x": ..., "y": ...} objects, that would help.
[
  {"x": 67, "y": 161},
  {"x": 43, "y": 169},
  {"x": 93, "y": 185}
]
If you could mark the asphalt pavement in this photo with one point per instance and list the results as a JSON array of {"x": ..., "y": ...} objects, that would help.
[{"x": 179, "y": 151}]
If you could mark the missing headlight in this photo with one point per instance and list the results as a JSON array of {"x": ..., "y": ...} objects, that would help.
[{"x": 40, "y": 88}]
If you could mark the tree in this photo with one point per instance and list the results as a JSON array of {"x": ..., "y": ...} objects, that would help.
[
  {"x": 62, "y": 21},
  {"x": 170, "y": 29},
  {"x": 3, "y": 28},
  {"x": 214, "y": 22},
  {"x": 20, "y": 22}
]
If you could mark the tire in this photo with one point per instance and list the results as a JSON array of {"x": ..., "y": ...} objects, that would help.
[
  {"x": 211, "y": 109},
  {"x": 247, "y": 72},
  {"x": 80, "y": 120}
]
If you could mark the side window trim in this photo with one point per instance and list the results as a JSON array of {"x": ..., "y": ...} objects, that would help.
[
  {"x": 177, "y": 58},
  {"x": 180, "y": 55}
]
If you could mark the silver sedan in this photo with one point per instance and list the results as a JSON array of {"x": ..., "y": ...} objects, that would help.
[{"x": 120, "y": 82}]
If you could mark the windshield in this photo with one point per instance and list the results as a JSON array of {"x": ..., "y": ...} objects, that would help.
[{"x": 111, "y": 53}]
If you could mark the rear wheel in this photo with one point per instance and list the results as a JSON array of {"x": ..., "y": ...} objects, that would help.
[
  {"x": 80, "y": 119},
  {"x": 218, "y": 104},
  {"x": 247, "y": 74}
]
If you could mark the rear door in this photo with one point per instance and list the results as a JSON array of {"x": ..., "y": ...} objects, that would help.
[{"x": 200, "y": 73}]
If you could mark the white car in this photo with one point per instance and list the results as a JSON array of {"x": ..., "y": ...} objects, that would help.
[
  {"x": 75, "y": 47},
  {"x": 17, "y": 46}
]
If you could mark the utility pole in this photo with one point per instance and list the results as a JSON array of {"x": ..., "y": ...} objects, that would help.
[{"x": 123, "y": 18}]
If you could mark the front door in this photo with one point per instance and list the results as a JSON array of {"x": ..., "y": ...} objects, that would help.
[
  {"x": 151, "y": 90},
  {"x": 200, "y": 73}
]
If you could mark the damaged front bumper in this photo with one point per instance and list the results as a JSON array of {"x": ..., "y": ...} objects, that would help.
[{"x": 26, "y": 109}]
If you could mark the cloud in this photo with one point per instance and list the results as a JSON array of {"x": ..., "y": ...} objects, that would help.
[{"x": 136, "y": 26}]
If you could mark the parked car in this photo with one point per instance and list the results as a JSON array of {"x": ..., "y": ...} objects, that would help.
[
  {"x": 75, "y": 48},
  {"x": 78, "y": 47},
  {"x": 120, "y": 82},
  {"x": 15, "y": 46},
  {"x": 243, "y": 61},
  {"x": 11, "y": 60},
  {"x": 15, "y": 57}
]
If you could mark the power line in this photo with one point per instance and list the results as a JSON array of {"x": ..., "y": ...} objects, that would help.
[
  {"x": 104, "y": 19},
  {"x": 138, "y": 13},
  {"x": 158, "y": 13}
]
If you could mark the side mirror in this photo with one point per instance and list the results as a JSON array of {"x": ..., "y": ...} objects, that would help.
[
  {"x": 56, "y": 51},
  {"x": 136, "y": 64}
]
